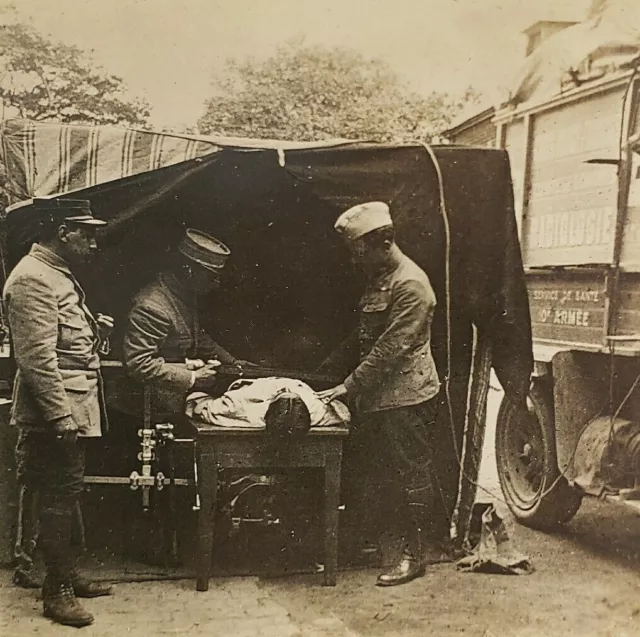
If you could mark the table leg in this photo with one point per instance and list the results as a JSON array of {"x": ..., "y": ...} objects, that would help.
[
  {"x": 208, "y": 487},
  {"x": 331, "y": 504}
]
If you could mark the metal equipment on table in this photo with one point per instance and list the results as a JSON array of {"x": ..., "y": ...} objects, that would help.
[{"x": 246, "y": 496}]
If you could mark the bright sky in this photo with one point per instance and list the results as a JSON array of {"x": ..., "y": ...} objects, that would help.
[{"x": 166, "y": 50}]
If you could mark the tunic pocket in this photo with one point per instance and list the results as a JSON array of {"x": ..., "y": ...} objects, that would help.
[
  {"x": 74, "y": 335},
  {"x": 82, "y": 392},
  {"x": 374, "y": 313}
]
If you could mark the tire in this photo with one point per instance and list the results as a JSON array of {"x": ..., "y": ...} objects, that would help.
[{"x": 527, "y": 462}]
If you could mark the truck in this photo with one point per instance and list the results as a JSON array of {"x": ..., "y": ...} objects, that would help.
[{"x": 575, "y": 164}]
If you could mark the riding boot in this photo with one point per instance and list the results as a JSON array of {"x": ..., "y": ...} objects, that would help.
[{"x": 58, "y": 597}]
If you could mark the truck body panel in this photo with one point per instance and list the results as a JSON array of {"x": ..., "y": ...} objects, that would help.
[
  {"x": 579, "y": 213},
  {"x": 571, "y": 207}
]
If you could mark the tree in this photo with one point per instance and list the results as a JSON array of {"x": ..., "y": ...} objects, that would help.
[
  {"x": 312, "y": 93},
  {"x": 41, "y": 79},
  {"x": 45, "y": 80}
]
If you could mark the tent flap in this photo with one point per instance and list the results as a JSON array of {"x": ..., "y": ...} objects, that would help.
[{"x": 44, "y": 158}]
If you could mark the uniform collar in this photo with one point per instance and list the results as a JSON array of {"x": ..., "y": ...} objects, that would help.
[
  {"x": 381, "y": 276},
  {"x": 49, "y": 257},
  {"x": 177, "y": 289},
  {"x": 55, "y": 261}
]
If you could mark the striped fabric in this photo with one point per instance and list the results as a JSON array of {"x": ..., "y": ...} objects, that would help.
[{"x": 48, "y": 158}]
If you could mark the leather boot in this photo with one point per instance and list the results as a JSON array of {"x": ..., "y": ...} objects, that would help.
[
  {"x": 407, "y": 569},
  {"x": 411, "y": 564},
  {"x": 60, "y": 604},
  {"x": 84, "y": 587},
  {"x": 26, "y": 578},
  {"x": 58, "y": 596}
]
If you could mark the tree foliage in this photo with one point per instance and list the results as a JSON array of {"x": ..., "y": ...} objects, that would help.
[
  {"x": 45, "y": 80},
  {"x": 312, "y": 93},
  {"x": 41, "y": 79}
]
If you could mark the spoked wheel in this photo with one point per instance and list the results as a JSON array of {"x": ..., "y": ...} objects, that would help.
[{"x": 527, "y": 462}]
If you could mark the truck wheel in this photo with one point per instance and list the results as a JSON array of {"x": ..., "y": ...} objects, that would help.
[{"x": 527, "y": 462}]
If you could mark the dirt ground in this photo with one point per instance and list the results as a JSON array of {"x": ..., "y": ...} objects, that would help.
[{"x": 585, "y": 584}]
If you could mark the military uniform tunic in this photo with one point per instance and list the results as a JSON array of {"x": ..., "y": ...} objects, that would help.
[{"x": 162, "y": 332}]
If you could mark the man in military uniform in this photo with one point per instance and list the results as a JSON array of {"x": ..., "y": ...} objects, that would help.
[
  {"x": 395, "y": 387},
  {"x": 164, "y": 346},
  {"x": 57, "y": 395}
]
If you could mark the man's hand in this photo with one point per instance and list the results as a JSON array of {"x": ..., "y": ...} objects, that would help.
[
  {"x": 192, "y": 364},
  {"x": 329, "y": 395},
  {"x": 205, "y": 376},
  {"x": 106, "y": 325},
  {"x": 242, "y": 363},
  {"x": 66, "y": 429}
]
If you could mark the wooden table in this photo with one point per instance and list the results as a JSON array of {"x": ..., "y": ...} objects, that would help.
[{"x": 227, "y": 448}]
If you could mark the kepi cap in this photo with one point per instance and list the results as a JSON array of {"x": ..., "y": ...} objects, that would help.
[
  {"x": 204, "y": 250},
  {"x": 363, "y": 218},
  {"x": 59, "y": 210}
]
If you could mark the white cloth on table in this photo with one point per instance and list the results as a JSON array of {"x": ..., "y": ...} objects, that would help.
[{"x": 246, "y": 401}]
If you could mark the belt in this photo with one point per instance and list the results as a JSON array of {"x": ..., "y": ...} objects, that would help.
[{"x": 79, "y": 368}]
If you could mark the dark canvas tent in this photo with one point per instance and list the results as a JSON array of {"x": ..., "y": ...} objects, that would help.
[{"x": 290, "y": 296}]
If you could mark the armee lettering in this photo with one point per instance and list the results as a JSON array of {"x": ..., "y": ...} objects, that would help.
[{"x": 579, "y": 318}]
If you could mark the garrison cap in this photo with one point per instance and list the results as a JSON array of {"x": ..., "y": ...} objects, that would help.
[
  {"x": 363, "y": 218},
  {"x": 204, "y": 250}
]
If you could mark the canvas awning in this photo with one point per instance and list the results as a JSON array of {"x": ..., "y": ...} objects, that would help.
[
  {"x": 289, "y": 295},
  {"x": 45, "y": 158}
]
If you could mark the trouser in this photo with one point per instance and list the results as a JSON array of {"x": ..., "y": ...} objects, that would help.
[
  {"x": 404, "y": 492},
  {"x": 54, "y": 468},
  {"x": 26, "y": 528}
]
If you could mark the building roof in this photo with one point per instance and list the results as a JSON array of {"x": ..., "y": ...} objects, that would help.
[{"x": 466, "y": 122}]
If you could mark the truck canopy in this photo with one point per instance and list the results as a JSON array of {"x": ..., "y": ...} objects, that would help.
[{"x": 289, "y": 296}]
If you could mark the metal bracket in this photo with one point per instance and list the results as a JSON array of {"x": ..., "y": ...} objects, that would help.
[{"x": 160, "y": 434}]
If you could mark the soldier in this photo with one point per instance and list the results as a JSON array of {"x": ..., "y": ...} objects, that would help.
[
  {"x": 164, "y": 346},
  {"x": 395, "y": 387},
  {"x": 57, "y": 395}
]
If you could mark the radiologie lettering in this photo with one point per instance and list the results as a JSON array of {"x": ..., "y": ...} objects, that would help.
[{"x": 576, "y": 228}]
